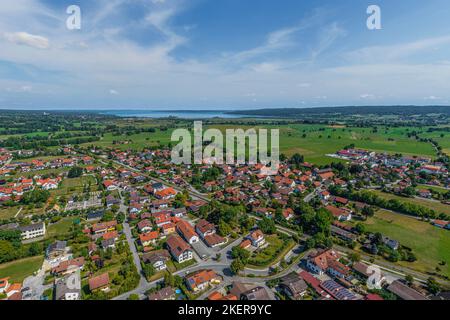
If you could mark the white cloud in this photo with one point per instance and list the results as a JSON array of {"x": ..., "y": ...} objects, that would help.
[
  {"x": 113, "y": 92},
  {"x": 24, "y": 38}
]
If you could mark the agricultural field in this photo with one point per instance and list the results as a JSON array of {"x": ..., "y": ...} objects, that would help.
[
  {"x": 430, "y": 244},
  {"x": 432, "y": 204},
  {"x": 20, "y": 269},
  {"x": 312, "y": 141}
]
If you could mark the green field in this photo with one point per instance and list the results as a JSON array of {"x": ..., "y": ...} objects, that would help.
[
  {"x": 74, "y": 185},
  {"x": 430, "y": 244},
  {"x": 312, "y": 141},
  {"x": 432, "y": 204},
  {"x": 59, "y": 228},
  {"x": 20, "y": 269}
]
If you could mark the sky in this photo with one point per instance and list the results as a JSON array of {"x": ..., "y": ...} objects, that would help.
[{"x": 223, "y": 54}]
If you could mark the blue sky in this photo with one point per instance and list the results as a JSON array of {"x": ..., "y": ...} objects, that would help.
[{"x": 223, "y": 54}]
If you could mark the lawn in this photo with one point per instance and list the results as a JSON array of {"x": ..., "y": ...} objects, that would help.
[
  {"x": 60, "y": 228},
  {"x": 430, "y": 244},
  {"x": 271, "y": 254},
  {"x": 70, "y": 186},
  {"x": 432, "y": 204},
  {"x": 20, "y": 269}
]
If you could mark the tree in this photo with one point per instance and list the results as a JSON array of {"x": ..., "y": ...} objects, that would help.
[
  {"x": 354, "y": 257},
  {"x": 236, "y": 266},
  {"x": 267, "y": 225},
  {"x": 240, "y": 253},
  {"x": 149, "y": 270},
  {"x": 433, "y": 286},
  {"x": 133, "y": 296},
  {"x": 409, "y": 279},
  {"x": 75, "y": 172},
  {"x": 223, "y": 228}
]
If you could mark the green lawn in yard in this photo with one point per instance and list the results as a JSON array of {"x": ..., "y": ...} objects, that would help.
[
  {"x": 430, "y": 244},
  {"x": 271, "y": 254},
  {"x": 432, "y": 204},
  {"x": 20, "y": 269}
]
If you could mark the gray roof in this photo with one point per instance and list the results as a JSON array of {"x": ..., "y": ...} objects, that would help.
[
  {"x": 31, "y": 227},
  {"x": 405, "y": 292},
  {"x": 258, "y": 293}
]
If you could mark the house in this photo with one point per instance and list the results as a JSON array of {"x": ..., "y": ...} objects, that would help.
[
  {"x": 257, "y": 238},
  {"x": 185, "y": 229},
  {"x": 245, "y": 244},
  {"x": 204, "y": 228},
  {"x": 314, "y": 283},
  {"x": 424, "y": 193},
  {"x": 293, "y": 286},
  {"x": 68, "y": 266},
  {"x": 441, "y": 224},
  {"x": 404, "y": 292},
  {"x": 214, "y": 240},
  {"x": 179, "y": 249},
  {"x": 257, "y": 293},
  {"x": 144, "y": 226},
  {"x": 110, "y": 185},
  {"x": 342, "y": 214},
  {"x": 68, "y": 287},
  {"x": 95, "y": 215},
  {"x": 33, "y": 231},
  {"x": 149, "y": 238},
  {"x": 324, "y": 195},
  {"x": 168, "y": 228},
  {"x": 157, "y": 259},
  {"x": 100, "y": 282},
  {"x": 288, "y": 213},
  {"x": 319, "y": 262},
  {"x": 109, "y": 243},
  {"x": 337, "y": 291},
  {"x": 103, "y": 227},
  {"x": 166, "y": 194},
  {"x": 167, "y": 293},
  {"x": 200, "y": 280},
  {"x": 56, "y": 250}
]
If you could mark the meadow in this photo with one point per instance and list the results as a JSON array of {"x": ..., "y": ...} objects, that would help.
[
  {"x": 312, "y": 141},
  {"x": 430, "y": 244},
  {"x": 20, "y": 269}
]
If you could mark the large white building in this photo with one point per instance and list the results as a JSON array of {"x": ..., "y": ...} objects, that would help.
[{"x": 33, "y": 231}]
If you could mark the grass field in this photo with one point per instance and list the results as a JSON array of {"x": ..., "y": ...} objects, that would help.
[
  {"x": 430, "y": 244},
  {"x": 20, "y": 269},
  {"x": 60, "y": 228},
  {"x": 74, "y": 185},
  {"x": 312, "y": 141},
  {"x": 435, "y": 205}
]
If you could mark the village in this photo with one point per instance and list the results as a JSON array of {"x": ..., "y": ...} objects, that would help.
[{"x": 137, "y": 226}]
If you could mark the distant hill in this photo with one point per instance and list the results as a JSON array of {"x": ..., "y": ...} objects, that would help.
[{"x": 349, "y": 110}]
